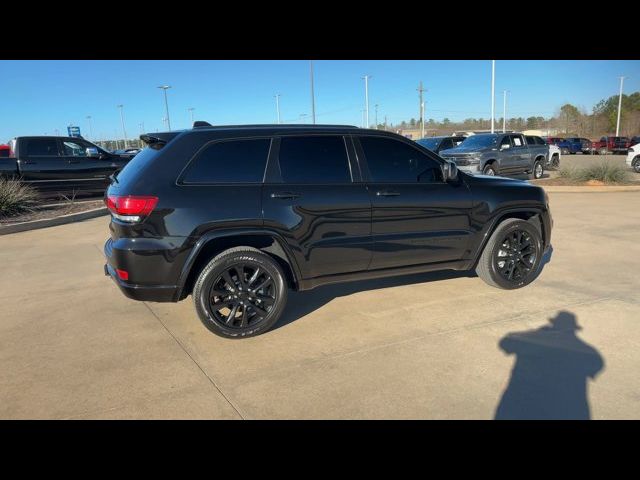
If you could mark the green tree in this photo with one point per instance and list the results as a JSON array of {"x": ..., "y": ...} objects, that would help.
[
  {"x": 412, "y": 122},
  {"x": 532, "y": 122},
  {"x": 446, "y": 122}
]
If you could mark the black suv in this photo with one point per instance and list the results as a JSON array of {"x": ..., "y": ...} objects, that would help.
[{"x": 237, "y": 215}]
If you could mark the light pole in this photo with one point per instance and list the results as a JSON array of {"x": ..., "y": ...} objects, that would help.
[
  {"x": 313, "y": 97},
  {"x": 619, "y": 106},
  {"x": 376, "y": 107},
  {"x": 121, "y": 107},
  {"x": 493, "y": 92},
  {"x": 363, "y": 112},
  {"x": 366, "y": 100},
  {"x": 191, "y": 109},
  {"x": 166, "y": 104},
  {"x": 90, "y": 127},
  {"x": 504, "y": 112},
  {"x": 277, "y": 96}
]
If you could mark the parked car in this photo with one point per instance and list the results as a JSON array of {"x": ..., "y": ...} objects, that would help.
[
  {"x": 236, "y": 216},
  {"x": 435, "y": 144},
  {"x": 611, "y": 145},
  {"x": 554, "y": 140},
  {"x": 634, "y": 141},
  {"x": 574, "y": 145},
  {"x": 498, "y": 154},
  {"x": 60, "y": 164},
  {"x": 553, "y": 152},
  {"x": 4, "y": 151},
  {"x": 633, "y": 157}
]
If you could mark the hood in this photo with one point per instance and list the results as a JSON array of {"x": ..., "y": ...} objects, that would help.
[
  {"x": 496, "y": 181},
  {"x": 461, "y": 150}
]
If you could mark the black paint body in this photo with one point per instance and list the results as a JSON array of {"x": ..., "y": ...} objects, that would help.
[{"x": 319, "y": 233}]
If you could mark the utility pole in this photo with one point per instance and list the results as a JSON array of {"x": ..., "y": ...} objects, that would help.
[
  {"x": 277, "y": 97},
  {"x": 504, "y": 112},
  {"x": 376, "y": 106},
  {"x": 90, "y": 127},
  {"x": 619, "y": 106},
  {"x": 385, "y": 122},
  {"x": 313, "y": 97},
  {"x": 191, "y": 109},
  {"x": 493, "y": 93},
  {"x": 166, "y": 104},
  {"x": 122, "y": 120},
  {"x": 420, "y": 90},
  {"x": 366, "y": 100}
]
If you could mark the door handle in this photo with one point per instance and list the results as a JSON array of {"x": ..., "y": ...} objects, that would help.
[
  {"x": 285, "y": 195},
  {"x": 387, "y": 193}
]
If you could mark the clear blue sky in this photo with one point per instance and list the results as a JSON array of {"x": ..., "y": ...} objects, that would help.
[{"x": 37, "y": 97}]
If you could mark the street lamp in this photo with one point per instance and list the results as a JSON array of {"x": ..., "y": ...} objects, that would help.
[
  {"x": 166, "y": 104},
  {"x": 278, "y": 106},
  {"x": 619, "y": 106},
  {"x": 90, "y": 127},
  {"x": 366, "y": 99},
  {"x": 121, "y": 107},
  {"x": 504, "y": 112},
  {"x": 493, "y": 92}
]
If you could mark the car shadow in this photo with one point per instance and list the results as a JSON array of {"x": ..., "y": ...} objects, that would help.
[
  {"x": 549, "y": 379},
  {"x": 302, "y": 303}
]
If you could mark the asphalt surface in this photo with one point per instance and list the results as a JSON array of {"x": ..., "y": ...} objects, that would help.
[{"x": 427, "y": 346}]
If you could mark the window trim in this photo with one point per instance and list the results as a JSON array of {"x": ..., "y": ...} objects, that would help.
[
  {"x": 180, "y": 178},
  {"x": 274, "y": 174},
  {"x": 367, "y": 178}
]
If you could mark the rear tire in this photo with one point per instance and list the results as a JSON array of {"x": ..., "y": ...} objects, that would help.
[
  {"x": 512, "y": 257},
  {"x": 555, "y": 161},
  {"x": 636, "y": 164},
  {"x": 489, "y": 169},
  {"x": 538, "y": 170},
  {"x": 240, "y": 293}
]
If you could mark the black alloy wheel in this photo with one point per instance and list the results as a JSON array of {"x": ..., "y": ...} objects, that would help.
[{"x": 516, "y": 257}]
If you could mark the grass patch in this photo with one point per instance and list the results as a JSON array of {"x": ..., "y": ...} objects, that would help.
[
  {"x": 16, "y": 198},
  {"x": 604, "y": 172}
]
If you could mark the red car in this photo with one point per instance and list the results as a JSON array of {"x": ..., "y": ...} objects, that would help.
[
  {"x": 611, "y": 144},
  {"x": 554, "y": 140},
  {"x": 5, "y": 151}
]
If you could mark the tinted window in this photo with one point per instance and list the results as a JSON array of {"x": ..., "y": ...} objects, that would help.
[
  {"x": 314, "y": 160},
  {"x": 457, "y": 141},
  {"x": 481, "y": 141},
  {"x": 42, "y": 146},
  {"x": 530, "y": 140},
  {"x": 391, "y": 161},
  {"x": 430, "y": 143},
  {"x": 235, "y": 161},
  {"x": 505, "y": 143},
  {"x": 446, "y": 143}
]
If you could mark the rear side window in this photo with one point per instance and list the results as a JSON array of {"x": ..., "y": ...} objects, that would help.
[
  {"x": 392, "y": 161},
  {"x": 43, "y": 147},
  {"x": 319, "y": 159},
  {"x": 234, "y": 161}
]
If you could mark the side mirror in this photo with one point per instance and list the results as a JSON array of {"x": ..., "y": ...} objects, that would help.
[
  {"x": 93, "y": 152},
  {"x": 449, "y": 171},
  {"x": 504, "y": 147}
]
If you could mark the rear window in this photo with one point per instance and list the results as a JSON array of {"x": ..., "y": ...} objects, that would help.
[
  {"x": 233, "y": 161},
  {"x": 319, "y": 160},
  {"x": 135, "y": 165}
]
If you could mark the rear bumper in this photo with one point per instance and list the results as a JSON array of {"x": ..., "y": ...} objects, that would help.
[{"x": 146, "y": 293}]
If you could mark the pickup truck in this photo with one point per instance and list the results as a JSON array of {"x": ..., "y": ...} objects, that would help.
[
  {"x": 574, "y": 145},
  {"x": 499, "y": 154},
  {"x": 60, "y": 164},
  {"x": 611, "y": 144}
]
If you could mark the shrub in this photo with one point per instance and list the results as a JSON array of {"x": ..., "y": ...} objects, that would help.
[
  {"x": 604, "y": 172},
  {"x": 16, "y": 198}
]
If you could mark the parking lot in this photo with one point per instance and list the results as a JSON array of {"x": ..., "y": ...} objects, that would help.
[{"x": 427, "y": 346}]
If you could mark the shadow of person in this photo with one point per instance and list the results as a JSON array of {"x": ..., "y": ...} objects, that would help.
[{"x": 549, "y": 378}]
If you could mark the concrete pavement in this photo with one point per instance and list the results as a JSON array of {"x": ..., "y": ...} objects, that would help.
[{"x": 425, "y": 346}]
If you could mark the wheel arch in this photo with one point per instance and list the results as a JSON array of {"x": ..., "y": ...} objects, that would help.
[{"x": 213, "y": 243}]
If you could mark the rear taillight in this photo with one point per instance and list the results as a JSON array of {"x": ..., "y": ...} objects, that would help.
[{"x": 131, "y": 208}]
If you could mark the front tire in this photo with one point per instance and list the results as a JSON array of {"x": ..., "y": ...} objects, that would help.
[
  {"x": 240, "y": 293},
  {"x": 555, "y": 161},
  {"x": 511, "y": 258},
  {"x": 636, "y": 164}
]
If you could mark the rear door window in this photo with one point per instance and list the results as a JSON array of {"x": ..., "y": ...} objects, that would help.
[
  {"x": 42, "y": 147},
  {"x": 232, "y": 161},
  {"x": 314, "y": 159}
]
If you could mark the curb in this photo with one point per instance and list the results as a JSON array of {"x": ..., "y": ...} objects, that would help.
[
  {"x": 585, "y": 189},
  {"x": 52, "y": 222}
]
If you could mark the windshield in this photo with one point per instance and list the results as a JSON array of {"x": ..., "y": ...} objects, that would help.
[
  {"x": 480, "y": 141},
  {"x": 430, "y": 143}
]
